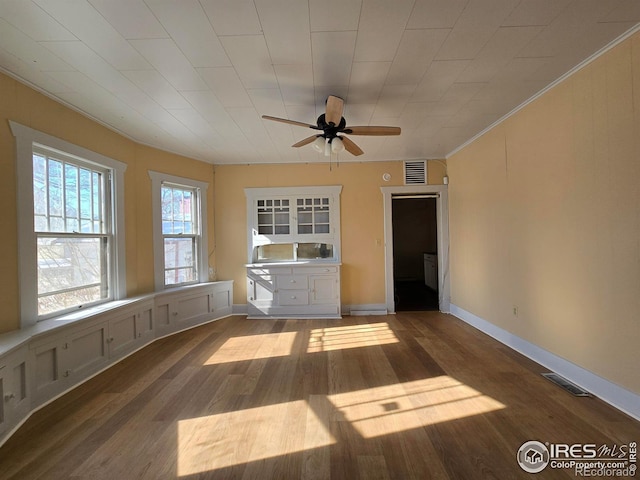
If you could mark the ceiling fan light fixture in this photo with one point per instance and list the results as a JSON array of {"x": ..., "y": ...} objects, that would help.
[
  {"x": 336, "y": 145},
  {"x": 327, "y": 148},
  {"x": 318, "y": 144}
]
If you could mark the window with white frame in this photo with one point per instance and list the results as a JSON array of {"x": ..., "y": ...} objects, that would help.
[
  {"x": 73, "y": 230},
  {"x": 180, "y": 240},
  {"x": 70, "y": 226}
]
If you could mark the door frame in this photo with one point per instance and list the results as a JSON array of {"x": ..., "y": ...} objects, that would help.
[{"x": 442, "y": 220}]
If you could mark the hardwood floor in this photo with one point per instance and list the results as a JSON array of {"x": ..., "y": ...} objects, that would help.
[{"x": 414, "y": 395}]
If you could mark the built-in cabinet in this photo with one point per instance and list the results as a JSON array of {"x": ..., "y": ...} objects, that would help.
[
  {"x": 293, "y": 290},
  {"x": 57, "y": 355}
]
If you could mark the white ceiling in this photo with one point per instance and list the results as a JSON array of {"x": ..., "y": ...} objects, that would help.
[{"x": 194, "y": 77}]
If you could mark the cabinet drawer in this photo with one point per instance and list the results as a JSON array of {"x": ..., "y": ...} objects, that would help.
[
  {"x": 292, "y": 282},
  {"x": 315, "y": 270},
  {"x": 267, "y": 271},
  {"x": 293, "y": 297}
]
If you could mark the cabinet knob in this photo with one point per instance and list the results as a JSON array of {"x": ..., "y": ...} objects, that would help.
[
  {"x": 293, "y": 297},
  {"x": 292, "y": 281},
  {"x": 9, "y": 396},
  {"x": 251, "y": 298},
  {"x": 66, "y": 373},
  {"x": 65, "y": 346}
]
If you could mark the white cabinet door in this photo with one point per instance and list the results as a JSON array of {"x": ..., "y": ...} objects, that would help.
[
  {"x": 14, "y": 399},
  {"x": 48, "y": 377},
  {"x": 87, "y": 352},
  {"x": 324, "y": 289}
]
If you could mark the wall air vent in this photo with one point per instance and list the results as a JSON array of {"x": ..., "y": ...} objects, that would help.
[
  {"x": 415, "y": 172},
  {"x": 570, "y": 387}
]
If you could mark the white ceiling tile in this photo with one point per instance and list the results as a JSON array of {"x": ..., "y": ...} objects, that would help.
[
  {"x": 232, "y": 17},
  {"x": 92, "y": 65},
  {"x": 334, "y": 15},
  {"x": 189, "y": 27},
  {"x": 89, "y": 26},
  {"x": 251, "y": 60},
  {"x": 438, "y": 80},
  {"x": 286, "y": 29},
  {"x": 131, "y": 18},
  {"x": 415, "y": 53},
  {"x": 535, "y": 12},
  {"x": 268, "y": 101},
  {"x": 167, "y": 58},
  {"x": 359, "y": 114},
  {"x": 475, "y": 26},
  {"x": 226, "y": 85},
  {"x": 505, "y": 44},
  {"x": 29, "y": 73},
  {"x": 332, "y": 57},
  {"x": 157, "y": 87},
  {"x": 21, "y": 46},
  {"x": 367, "y": 80},
  {"x": 296, "y": 83},
  {"x": 624, "y": 11},
  {"x": 208, "y": 105},
  {"x": 382, "y": 24},
  {"x": 195, "y": 122},
  {"x": 436, "y": 13},
  {"x": 392, "y": 101},
  {"x": 33, "y": 21}
]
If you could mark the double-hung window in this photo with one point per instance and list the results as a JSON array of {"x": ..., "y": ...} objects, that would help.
[
  {"x": 73, "y": 229},
  {"x": 70, "y": 226},
  {"x": 180, "y": 230},
  {"x": 180, "y": 233}
]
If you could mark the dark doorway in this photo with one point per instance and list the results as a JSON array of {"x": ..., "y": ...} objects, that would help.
[{"x": 415, "y": 250}]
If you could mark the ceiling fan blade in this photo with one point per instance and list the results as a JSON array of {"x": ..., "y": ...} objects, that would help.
[
  {"x": 351, "y": 147},
  {"x": 306, "y": 141},
  {"x": 372, "y": 130},
  {"x": 335, "y": 106},
  {"x": 290, "y": 122}
]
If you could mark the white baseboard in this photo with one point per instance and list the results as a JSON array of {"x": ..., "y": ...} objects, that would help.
[
  {"x": 615, "y": 395},
  {"x": 365, "y": 309},
  {"x": 239, "y": 309}
]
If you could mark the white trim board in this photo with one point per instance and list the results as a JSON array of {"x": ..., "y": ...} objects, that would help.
[
  {"x": 442, "y": 219},
  {"x": 616, "y": 396}
]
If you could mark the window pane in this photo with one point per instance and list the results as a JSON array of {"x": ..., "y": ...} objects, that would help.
[
  {"x": 71, "y": 194},
  {"x": 85, "y": 194},
  {"x": 179, "y": 252},
  {"x": 70, "y": 272},
  {"x": 55, "y": 188},
  {"x": 40, "y": 200},
  {"x": 179, "y": 275}
]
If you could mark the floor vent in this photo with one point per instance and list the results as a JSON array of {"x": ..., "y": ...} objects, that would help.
[
  {"x": 415, "y": 172},
  {"x": 572, "y": 388}
]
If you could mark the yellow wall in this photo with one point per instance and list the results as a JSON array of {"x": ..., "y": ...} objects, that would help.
[
  {"x": 545, "y": 216},
  {"x": 28, "y": 107},
  {"x": 361, "y": 215}
]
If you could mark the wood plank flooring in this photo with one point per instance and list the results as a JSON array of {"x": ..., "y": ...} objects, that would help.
[{"x": 408, "y": 396}]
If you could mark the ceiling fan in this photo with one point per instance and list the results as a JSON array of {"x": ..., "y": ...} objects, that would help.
[{"x": 331, "y": 123}]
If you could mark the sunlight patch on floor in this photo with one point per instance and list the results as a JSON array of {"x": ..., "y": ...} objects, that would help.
[
  {"x": 390, "y": 409},
  {"x": 352, "y": 336},
  {"x": 220, "y": 441},
  {"x": 247, "y": 348}
]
